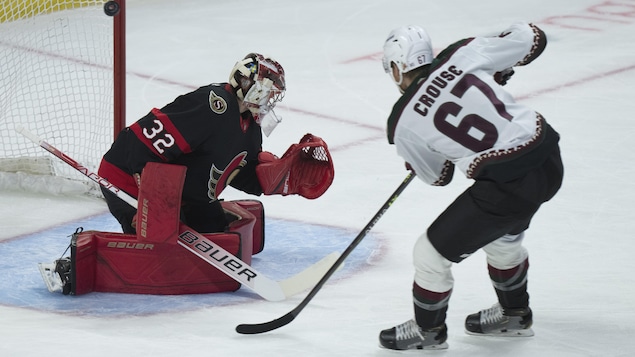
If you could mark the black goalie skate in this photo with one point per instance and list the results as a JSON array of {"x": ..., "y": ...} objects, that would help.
[
  {"x": 57, "y": 275},
  {"x": 60, "y": 275}
]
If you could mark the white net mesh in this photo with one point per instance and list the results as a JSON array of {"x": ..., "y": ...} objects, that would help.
[{"x": 56, "y": 76}]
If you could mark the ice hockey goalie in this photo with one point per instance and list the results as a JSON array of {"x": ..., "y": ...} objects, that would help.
[{"x": 149, "y": 262}]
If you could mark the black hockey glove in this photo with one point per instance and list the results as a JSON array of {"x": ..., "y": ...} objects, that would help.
[{"x": 503, "y": 76}]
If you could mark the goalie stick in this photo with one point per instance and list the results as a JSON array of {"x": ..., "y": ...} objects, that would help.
[
  {"x": 251, "y": 329},
  {"x": 190, "y": 239}
]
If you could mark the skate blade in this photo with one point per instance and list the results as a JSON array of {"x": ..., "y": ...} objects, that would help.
[
  {"x": 51, "y": 278},
  {"x": 441, "y": 346},
  {"x": 515, "y": 333}
]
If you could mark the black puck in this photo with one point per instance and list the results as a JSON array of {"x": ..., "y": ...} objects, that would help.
[{"x": 111, "y": 8}]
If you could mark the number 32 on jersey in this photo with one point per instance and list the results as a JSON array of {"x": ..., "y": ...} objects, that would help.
[{"x": 160, "y": 139}]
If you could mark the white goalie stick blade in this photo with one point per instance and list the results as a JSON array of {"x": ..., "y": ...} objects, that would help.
[
  {"x": 230, "y": 265},
  {"x": 308, "y": 277},
  {"x": 243, "y": 273},
  {"x": 51, "y": 278}
]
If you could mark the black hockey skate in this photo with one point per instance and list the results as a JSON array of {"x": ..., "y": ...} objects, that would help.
[
  {"x": 60, "y": 275},
  {"x": 63, "y": 269},
  {"x": 497, "y": 321},
  {"x": 409, "y": 335}
]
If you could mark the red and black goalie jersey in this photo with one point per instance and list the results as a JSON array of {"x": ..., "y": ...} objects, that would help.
[{"x": 202, "y": 130}]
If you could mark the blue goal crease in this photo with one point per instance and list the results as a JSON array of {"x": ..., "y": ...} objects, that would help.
[{"x": 290, "y": 246}]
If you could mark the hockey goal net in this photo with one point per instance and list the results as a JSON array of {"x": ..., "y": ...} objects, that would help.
[{"x": 62, "y": 77}]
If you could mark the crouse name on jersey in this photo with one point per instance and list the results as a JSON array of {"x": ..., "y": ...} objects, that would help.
[{"x": 433, "y": 90}]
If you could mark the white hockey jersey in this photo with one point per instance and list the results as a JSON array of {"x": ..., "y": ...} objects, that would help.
[{"x": 456, "y": 114}]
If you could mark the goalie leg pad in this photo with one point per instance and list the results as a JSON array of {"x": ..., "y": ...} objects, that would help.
[
  {"x": 120, "y": 263},
  {"x": 159, "y": 202},
  {"x": 256, "y": 210}
]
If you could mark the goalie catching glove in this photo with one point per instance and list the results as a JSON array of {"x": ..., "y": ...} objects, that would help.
[{"x": 305, "y": 169}]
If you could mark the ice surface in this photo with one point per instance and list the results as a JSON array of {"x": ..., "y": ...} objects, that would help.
[{"x": 581, "y": 277}]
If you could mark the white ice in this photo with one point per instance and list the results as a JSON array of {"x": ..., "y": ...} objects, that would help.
[{"x": 582, "y": 274}]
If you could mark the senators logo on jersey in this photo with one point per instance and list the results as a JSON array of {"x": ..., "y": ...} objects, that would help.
[
  {"x": 216, "y": 103},
  {"x": 219, "y": 179}
]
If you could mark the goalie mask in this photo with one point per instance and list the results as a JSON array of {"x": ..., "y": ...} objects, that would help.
[
  {"x": 409, "y": 47},
  {"x": 259, "y": 83}
]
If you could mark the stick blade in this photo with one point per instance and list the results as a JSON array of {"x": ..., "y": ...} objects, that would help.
[{"x": 253, "y": 329}]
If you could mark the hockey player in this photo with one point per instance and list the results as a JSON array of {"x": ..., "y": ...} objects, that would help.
[
  {"x": 216, "y": 132},
  {"x": 455, "y": 113},
  {"x": 175, "y": 162}
]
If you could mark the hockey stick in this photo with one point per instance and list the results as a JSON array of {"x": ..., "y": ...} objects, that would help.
[
  {"x": 206, "y": 249},
  {"x": 251, "y": 329}
]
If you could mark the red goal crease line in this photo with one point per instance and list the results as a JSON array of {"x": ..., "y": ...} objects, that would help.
[
  {"x": 55, "y": 56},
  {"x": 577, "y": 82},
  {"x": 373, "y": 57}
]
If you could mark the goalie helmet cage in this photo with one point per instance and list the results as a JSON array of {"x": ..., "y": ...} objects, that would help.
[{"x": 62, "y": 76}]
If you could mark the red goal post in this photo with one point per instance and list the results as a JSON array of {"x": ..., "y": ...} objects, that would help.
[{"x": 62, "y": 76}]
